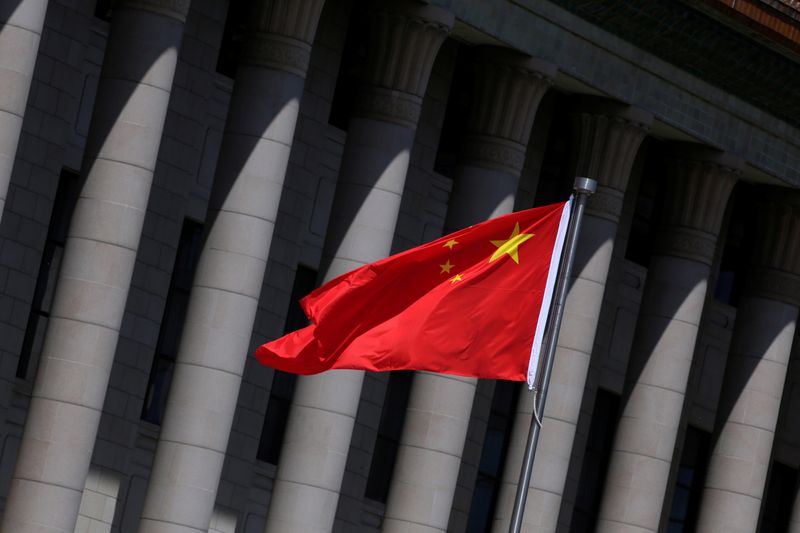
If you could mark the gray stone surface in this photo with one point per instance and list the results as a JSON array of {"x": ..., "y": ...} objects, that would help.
[
  {"x": 610, "y": 135},
  {"x": 57, "y": 120},
  {"x": 20, "y": 34},
  {"x": 603, "y": 63},
  {"x": 755, "y": 373},
  {"x": 95, "y": 275},
  {"x": 360, "y": 231},
  {"x": 664, "y": 341},
  {"x": 748, "y": 414},
  {"x": 433, "y": 438},
  {"x": 222, "y": 307}
]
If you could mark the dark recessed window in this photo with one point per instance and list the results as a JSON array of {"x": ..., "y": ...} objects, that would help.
[
  {"x": 493, "y": 457},
  {"x": 779, "y": 499},
  {"x": 69, "y": 186},
  {"x": 595, "y": 462},
  {"x": 102, "y": 9},
  {"x": 555, "y": 176},
  {"x": 233, "y": 36},
  {"x": 689, "y": 482},
  {"x": 277, "y": 416},
  {"x": 354, "y": 56},
  {"x": 283, "y": 383},
  {"x": 455, "y": 115},
  {"x": 645, "y": 212},
  {"x": 737, "y": 244},
  {"x": 169, "y": 336},
  {"x": 390, "y": 428}
]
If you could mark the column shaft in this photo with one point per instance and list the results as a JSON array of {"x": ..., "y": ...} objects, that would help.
[
  {"x": 19, "y": 46},
  {"x": 406, "y": 38},
  {"x": 750, "y": 400},
  {"x": 508, "y": 88},
  {"x": 244, "y": 205},
  {"x": 794, "y": 521},
  {"x": 664, "y": 341},
  {"x": 607, "y": 136},
  {"x": 755, "y": 373},
  {"x": 95, "y": 275}
]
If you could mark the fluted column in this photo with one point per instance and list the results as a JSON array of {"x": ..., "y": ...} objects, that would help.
[
  {"x": 507, "y": 90},
  {"x": 89, "y": 302},
  {"x": 20, "y": 33},
  {"x": 755, "y": 372},
  {"x": 405, "y": 38},
  {"x": 698, "y": 184},
  {"x": 607, "y": 136},
  {"x": 244, "y": 205}
]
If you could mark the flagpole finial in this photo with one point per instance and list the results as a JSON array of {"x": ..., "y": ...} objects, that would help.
[{"x": 585, "y": 185}]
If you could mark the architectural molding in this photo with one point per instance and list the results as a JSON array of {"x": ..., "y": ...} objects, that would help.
[
  {"x": 778, "y": 230},
  {"x": 391, "y": 106},
  {"x": 698, "y": 183},
  {"x": 405, "y": 37},
  {"x": 177, "y": 9},
  {"x": 775, "y": 261},
  {"x": 281, "y": 33},
  {"x": 492, "y": 152},
  {"x": 607, "y": 135},
  {"x": 507, "y": 89},
  {"x": 774, "y": 284},
  {"x": 606, "y": 203},
  {"x": 295, "y": 19},
  {"x": 278, "y": 52},
  {"x": 688, "y": 243}
]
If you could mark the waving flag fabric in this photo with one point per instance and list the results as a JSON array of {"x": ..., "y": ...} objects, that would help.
[{"x": 473, "y": 303}]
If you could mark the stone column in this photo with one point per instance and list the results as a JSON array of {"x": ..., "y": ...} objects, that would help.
[
  {"x": 405, "y": 38},
  {"x": 794, "y": 521},
  {"x": 507, "y": 89},
  {"x": 89, "y": 302},
  {"x": 607, "y": 136},
  {"x": 698, "y": 184},
  {"x": 244, "y": 205},
  {"x": 20, "y": 31},
  {"x": 755, "y": 372}
]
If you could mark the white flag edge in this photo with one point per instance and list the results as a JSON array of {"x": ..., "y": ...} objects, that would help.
[{"x": 552, "y": 274}]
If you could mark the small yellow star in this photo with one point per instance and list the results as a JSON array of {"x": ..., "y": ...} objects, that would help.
[
  {"x": 450, "y": 244},
  {"x": 511, "y": 245},
  {"x": 455, "y": 278},
  {"x": 446, "y": 267}
]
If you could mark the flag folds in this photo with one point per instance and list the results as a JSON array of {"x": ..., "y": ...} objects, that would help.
[{"x": 473, "y": 303}]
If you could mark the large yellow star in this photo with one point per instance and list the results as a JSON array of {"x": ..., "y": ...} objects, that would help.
[
  {"x": 446, "y": 267},
  {"x": 511, "y": 245}
]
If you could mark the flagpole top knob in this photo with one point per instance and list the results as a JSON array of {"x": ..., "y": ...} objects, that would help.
[{"x": 585, "y": 186}]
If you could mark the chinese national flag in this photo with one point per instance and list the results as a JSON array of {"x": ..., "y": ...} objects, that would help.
[{"x": 473, "y": 303}]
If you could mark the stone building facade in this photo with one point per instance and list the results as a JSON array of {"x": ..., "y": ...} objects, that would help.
[{"x": 175, "y": 174}]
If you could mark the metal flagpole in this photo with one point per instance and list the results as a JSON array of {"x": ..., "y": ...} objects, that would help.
[{"x": 584, "y": 187}]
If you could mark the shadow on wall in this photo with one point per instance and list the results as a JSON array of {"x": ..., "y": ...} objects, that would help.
[
  {"x": 736, "y": 377},
  {"x": 358, "y": 180},
  {"x": 738, "y": 372},
  {"x": 129, "y": 62},
  {"x": 7, "y": 10},
  {"x": 243, "y": 154},
  {"x": 646, "y": 341}
]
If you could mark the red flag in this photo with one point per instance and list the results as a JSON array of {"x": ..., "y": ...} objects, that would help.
[{"x": 473, "y": 303}]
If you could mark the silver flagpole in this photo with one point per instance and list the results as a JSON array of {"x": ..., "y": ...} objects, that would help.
[{"x": 584, "y": 187}]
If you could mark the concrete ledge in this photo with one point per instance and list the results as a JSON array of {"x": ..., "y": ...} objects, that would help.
[{"x": 593, "y": 60}]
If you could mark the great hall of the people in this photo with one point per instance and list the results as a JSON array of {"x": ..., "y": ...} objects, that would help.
[{"x": 176, "y": 174}]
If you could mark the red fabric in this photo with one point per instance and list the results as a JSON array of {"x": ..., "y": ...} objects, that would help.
[{"x": 404, "y": 313}]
